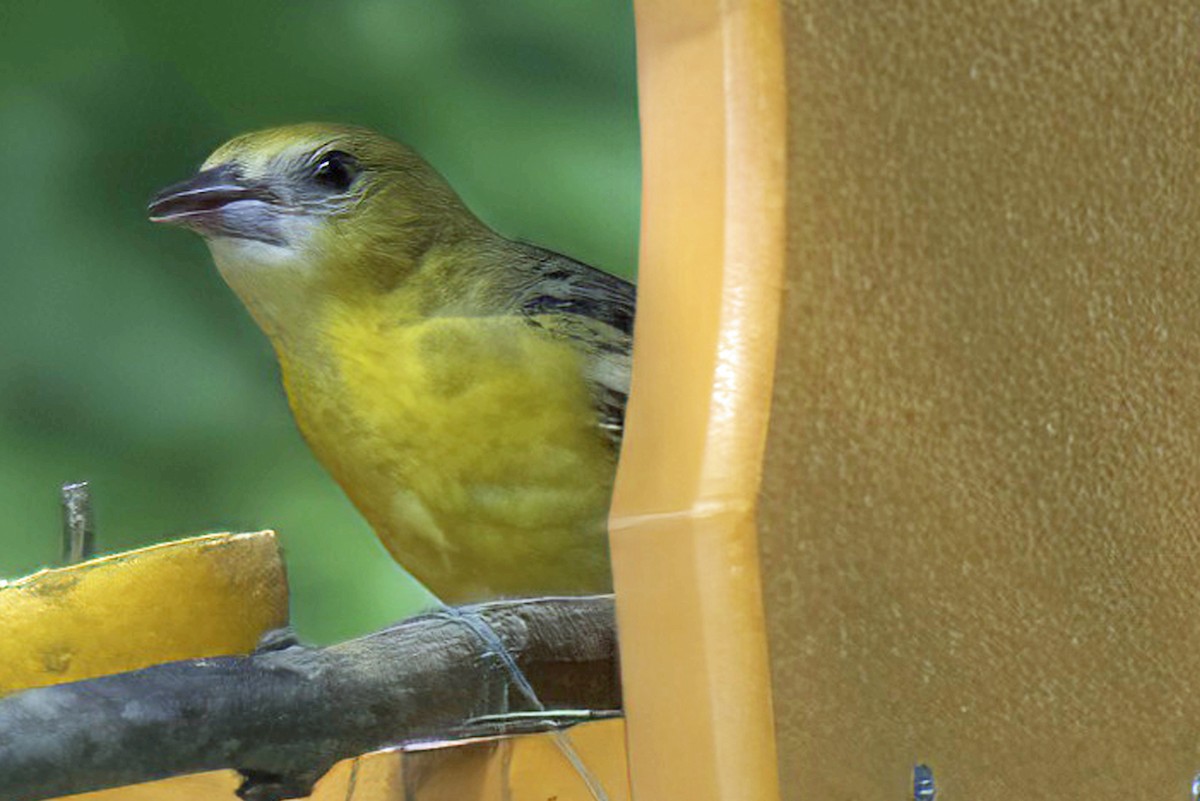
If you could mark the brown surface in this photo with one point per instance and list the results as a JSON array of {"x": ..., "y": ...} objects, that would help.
[
  {"x": 685, "y": 559},
  {"x": 980, "y": 521}
]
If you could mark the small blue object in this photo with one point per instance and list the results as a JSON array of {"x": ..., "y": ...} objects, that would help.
[
  {"x": 923, "y": 786},
  {"x": 1196, "y": 787}
]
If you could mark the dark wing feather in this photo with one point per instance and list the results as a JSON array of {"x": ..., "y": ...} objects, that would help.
[{"x": 594, "y": 309}]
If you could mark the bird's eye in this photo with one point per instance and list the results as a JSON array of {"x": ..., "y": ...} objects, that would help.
[{"x": 336, "y": 170}]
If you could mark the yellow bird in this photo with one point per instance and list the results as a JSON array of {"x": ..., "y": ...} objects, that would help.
[{"x": 467, "y": 391}]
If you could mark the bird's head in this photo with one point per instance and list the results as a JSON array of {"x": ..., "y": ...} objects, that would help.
[{"x": 314, "y": 206}]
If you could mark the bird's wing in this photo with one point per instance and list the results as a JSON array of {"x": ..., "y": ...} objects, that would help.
[{"x": 595, "y": 310}]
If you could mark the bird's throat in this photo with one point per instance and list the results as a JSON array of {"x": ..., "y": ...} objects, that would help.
[{"x": 281, "y": 291}]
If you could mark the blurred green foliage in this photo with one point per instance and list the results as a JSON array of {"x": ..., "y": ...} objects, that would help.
[{"x": 127, "y": 362}]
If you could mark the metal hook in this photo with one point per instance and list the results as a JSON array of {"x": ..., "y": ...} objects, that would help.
[{"x": 923, "y": 787}]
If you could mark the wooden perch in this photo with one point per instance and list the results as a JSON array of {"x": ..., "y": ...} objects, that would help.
[{"x": 284, "y": 715}]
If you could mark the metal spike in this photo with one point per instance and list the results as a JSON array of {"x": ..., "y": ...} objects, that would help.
[{"x": 79, "y": 529}]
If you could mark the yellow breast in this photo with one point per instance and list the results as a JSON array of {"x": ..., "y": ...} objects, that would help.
[{"x": 469, "y": 443}]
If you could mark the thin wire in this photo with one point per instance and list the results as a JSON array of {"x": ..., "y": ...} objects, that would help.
[
  {"x": 490, "y": 640},
  {"x": 352, "y": 782}
]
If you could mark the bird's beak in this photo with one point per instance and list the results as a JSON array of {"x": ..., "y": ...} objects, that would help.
[{"x": 219, "y": 202}]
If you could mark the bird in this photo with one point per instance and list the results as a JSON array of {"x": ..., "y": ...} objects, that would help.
[{"x": 465, "y": 389}]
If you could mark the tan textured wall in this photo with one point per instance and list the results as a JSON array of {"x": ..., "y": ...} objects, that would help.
[{"x": 980, "y": 520}]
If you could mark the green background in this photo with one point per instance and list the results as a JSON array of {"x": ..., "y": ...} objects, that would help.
[{"x": 124, "y": 360}]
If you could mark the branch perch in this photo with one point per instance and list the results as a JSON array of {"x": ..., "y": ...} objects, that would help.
[{"x": 286, "y": 714}]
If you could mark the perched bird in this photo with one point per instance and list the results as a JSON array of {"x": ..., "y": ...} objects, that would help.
[{"x": 466, "y": 390}]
